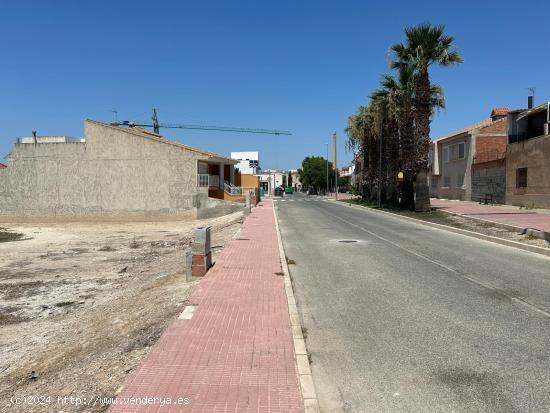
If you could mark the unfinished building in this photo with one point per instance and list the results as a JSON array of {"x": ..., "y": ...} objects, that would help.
[{"x": 115, "y": 173}]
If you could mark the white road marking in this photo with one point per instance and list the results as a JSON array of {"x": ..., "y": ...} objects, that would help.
[{"x": 446, "y": 267}]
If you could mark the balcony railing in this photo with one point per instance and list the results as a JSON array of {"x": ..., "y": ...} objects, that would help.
[
  {"x": 232, "y": 189},
  {"x": 206, "y": 180}
]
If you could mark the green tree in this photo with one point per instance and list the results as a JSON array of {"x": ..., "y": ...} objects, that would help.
[
  {"x": 314, "y": 172},
  {"x": 425, "y": 46},
  {"x": 289, "y": 180}
]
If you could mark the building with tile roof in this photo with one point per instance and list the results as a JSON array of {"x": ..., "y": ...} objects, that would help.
[
  {"x": 468, "y": 164},
  {"x": 528, "y": 157}
]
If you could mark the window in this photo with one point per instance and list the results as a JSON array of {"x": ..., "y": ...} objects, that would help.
[
  {"x": 434, "y": 182},
  {"x": 460, "y": 181},
  {"x": 461, "y": 150},
  {"x": 447, "y": 181},
  {"x": 521, "y": 178},
  {"x": 446, "y": 154},
  {"x": 454, "y": 152}
]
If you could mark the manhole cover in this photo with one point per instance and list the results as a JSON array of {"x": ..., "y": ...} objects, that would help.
[{"x": 347, "y": 241}]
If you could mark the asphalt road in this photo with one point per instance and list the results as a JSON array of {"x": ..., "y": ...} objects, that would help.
[{"x": 416, "y": 319}]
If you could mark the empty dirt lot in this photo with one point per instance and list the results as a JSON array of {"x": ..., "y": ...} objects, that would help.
[{"x": 81, "y": 303}]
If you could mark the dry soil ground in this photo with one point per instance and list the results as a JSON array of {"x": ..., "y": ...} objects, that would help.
[{"x": 81, "y": 304}]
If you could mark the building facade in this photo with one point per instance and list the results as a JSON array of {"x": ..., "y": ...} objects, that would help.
[
  {"x": 270, "y": 179},
  {"x": 469, "y": 164},
  {"x": 113, "y": 173},
  {"x": 296, "y": 182},
  {"x": 249, "y": 162},
  {"x": 528, "y": 157}
]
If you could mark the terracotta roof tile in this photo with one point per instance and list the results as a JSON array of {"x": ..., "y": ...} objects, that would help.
[{"x": 477, "y": 125}]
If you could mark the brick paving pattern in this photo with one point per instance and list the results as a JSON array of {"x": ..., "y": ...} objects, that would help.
[
  {"x": 236, "y": 353},
  {"x": 502, "y": 214}
]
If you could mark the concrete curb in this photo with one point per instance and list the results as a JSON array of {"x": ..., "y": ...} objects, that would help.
[
  {"x": 520, "y": 230},
  {"x": 501, "y": 241},
  {"x": 309, "y": 396}
]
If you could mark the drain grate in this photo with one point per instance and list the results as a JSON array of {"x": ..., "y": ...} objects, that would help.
[{"x": 347, "y": 241}]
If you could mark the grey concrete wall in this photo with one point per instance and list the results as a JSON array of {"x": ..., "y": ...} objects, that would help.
[
  {"x": 489, "y": 178},
  {"x": 114, "y": 174},
  {"x": 211, "y": 207}
]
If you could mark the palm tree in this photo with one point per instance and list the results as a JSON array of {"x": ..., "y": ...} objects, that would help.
[
  {"x": 361, "y": 138},
  {"x": 425, "y": 45},
  {"x": 385, "y": 101}
]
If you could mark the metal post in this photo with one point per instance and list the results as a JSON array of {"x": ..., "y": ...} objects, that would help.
[
  {"x": 335, "y": 166},
  {"x": 327, "y": 166},
  {"x": 380, "y": 173}
]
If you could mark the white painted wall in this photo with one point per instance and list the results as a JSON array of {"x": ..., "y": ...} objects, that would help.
[{"x": 244, "y": 159}]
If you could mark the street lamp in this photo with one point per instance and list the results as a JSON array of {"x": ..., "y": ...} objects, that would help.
[{"x": 327, "y": 167}]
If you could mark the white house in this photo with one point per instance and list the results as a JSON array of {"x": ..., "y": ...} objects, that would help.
[{"x": 249, "y": 162}]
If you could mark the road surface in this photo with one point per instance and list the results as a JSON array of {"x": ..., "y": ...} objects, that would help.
[{"x": 409, "y": 318}]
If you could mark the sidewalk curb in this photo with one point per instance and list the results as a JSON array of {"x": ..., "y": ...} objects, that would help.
[
  {"x": 501, "y": 241},
  {"x": 520, "y": 230},
  {"x": 309, "y": 396}
]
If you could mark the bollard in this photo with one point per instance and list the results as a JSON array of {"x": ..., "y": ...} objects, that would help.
[
  {"x": 248, "y": 200},
  {"x": 201, "y": 256}
]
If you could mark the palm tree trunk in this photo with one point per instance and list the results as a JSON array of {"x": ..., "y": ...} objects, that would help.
[
  {"x": 422, "y": 114},
  {"x": 407, "y": 155}
]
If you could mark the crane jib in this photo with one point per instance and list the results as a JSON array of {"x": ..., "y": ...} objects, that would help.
[{"x": 202, "y": 127}]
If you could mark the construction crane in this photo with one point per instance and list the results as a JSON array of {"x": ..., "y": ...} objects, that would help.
[{"x": 156, "y": 126}]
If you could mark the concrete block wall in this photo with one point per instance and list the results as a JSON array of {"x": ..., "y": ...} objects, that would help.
[
  {"x": 114, "y": 174},
  {"x": 489, "y": 178}
]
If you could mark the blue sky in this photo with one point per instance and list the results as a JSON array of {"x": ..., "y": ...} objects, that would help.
[{"x": 296, "y": 65}]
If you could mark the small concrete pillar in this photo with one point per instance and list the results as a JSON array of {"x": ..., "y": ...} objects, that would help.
[
  {"x": 201, "y": 256},
  {"x": 248, "y": 199}
]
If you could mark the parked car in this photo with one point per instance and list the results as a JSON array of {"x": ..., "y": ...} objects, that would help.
[
  {"x": 279, "y": 191},
  {"x": 289, "y": 190}
]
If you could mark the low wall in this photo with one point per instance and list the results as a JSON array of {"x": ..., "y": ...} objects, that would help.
[
  {"x": 211, "y": 207},
  {"x": 489, "y": 178}
]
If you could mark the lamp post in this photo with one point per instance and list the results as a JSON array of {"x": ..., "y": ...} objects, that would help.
[
  {"x": 335, "y": 166},
  {"x": 327, "y": 167}
]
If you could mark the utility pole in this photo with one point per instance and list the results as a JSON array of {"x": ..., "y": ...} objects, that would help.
[
  {"x": 335, "y": 166},
  {"x": 327, "y": 167},
  {"x": 380, "y": 172}
]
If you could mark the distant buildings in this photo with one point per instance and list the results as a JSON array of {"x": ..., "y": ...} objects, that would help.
[
  {"x": 249, "y": 162},
  {"x": 296, "y": 182},
  {"x": 346, "y": 174},
  {"x": 270, "y": 179}
]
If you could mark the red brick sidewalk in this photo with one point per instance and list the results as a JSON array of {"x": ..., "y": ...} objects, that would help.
[
  {"x": 236, "y": 354},
  {"x": 501, "y": 214}
]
